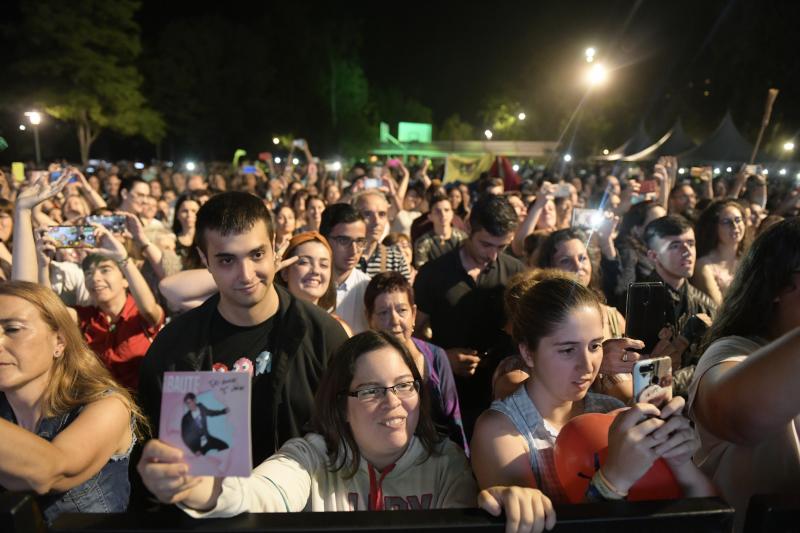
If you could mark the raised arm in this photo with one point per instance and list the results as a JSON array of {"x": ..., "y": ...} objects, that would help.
[
  {"x": 528, "y": 225},
  {"x": 93, "y": 197},
  {"x": 186, "y": 286},
  {"x": 24, "y": 267}
]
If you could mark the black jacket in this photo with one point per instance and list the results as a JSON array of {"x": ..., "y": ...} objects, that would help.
[{"x": 306, "y": 337}]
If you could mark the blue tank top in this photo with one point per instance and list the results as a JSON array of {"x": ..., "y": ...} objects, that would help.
[{"x": 105, "y": 492}]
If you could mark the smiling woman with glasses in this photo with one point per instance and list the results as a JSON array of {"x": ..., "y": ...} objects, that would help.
[
  {"x": 374, "y": 447},
  {"x": 721, "y": 241}
]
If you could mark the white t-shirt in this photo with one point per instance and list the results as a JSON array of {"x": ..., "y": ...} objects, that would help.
[
  {"x": 67, "y": 280},
  {"x": 739, "y": 471},
  {"x": 350, "y": 301}
]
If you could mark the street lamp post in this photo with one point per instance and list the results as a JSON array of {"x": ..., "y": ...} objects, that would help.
[{"x": 35, "y": 118}]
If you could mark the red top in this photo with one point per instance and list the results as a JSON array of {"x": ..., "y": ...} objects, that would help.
[{"x": 120, "y": 345}]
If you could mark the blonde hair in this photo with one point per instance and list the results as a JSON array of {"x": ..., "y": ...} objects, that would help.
[{"x": 78, "y": 377}]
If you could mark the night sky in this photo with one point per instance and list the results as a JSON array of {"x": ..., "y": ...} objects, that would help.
[{"x": 679, "y": 58}]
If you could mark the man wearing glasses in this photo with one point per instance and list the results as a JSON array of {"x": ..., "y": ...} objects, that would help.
[{"x": 346, "y": 231}]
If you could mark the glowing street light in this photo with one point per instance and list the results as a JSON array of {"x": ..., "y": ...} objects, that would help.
[
  {"x": 567, "y": 158},
  {"x": 190, "y": 166},
  {"x": 522, "y": 116},
  {"x": 605, "y": 151},
  {"x": 275, "y": 140},
  {"x": 597, "y": 75},
  {"x": 35, "y": 118},
  {"x": 788, "y": 146},
  {"x": 590, "y": 53},
  {"x": 488, "y": 134}
]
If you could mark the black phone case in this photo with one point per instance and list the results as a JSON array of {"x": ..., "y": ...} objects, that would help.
[{"x": 646, "y": 313}]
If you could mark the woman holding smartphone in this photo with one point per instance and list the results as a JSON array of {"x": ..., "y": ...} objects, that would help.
[
  {"x": 373, "y": 447},
  {"x": 558, "y": 325}
]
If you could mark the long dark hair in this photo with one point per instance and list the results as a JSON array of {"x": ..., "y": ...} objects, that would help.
[
  {"x": 547, "y": 252},
  {"x": 330, "y": 402},
  {"x": 748, "y": 309},
  {"x": 707, "y": 228}
]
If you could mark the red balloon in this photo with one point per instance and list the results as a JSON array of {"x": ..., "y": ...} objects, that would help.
[{"x": 582, "y": 447}]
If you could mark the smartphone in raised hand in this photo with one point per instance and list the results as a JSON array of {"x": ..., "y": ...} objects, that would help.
[
  {"x": 646, "y": 313},
  {"x": 72, "y": 236}
]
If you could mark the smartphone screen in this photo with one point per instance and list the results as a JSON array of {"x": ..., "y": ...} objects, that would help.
[
  {"x": 113, "y": 223},
  {"x": 648, "y": 186},
  {"x": 652, "y": 381},
  {"x": 249, "y": 169},
  {"x": 586, "y": 218},
  {"x": 646, "y": 313},
  {"x": 72, "y": 236},
  {"x": 372, "y": 183}
]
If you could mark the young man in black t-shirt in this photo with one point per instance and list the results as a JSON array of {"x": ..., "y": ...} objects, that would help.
[
  {"x": 250, "y": 325},
  {"x": 460, "y": 296}
]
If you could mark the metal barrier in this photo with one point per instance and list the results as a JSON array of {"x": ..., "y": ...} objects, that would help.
[{"x": 701, "y": 514}]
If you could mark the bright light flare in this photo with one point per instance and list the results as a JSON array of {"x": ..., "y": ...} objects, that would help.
[
  {"x": 34, "y": 117},
  {"x": 275, "y": 140},
  {"x": 788, "y": 146},
  {"x": 190, "y": 166},
  {"x": 567, "y": 158},
  {"x": 597, "y": 75},
  {"x": 336, "y": 166},
  {"x": 589, "y": 54},
  {"x": 515, "y": 167},
  {"x": 522, "y": 116},
  {"x": 488, "y": 134}
]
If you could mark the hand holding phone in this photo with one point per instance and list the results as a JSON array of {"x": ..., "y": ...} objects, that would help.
[
  {"x": 652, "y": 381},
  {"x": 72, "y": 236},
  {"x": 646, "y": 313}
]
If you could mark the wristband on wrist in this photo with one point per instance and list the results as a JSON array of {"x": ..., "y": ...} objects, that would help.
[
  {"x": 601, "y": 488},
  {"x": 122, "y": 262}
]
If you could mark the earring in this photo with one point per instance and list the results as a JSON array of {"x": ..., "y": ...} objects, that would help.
[{"x": 57, "y": 354}]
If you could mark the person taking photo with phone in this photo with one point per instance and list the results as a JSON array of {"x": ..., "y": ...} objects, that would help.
[
  {"x": 123, "y": 318},
  {"x": 558, "y": 325}
]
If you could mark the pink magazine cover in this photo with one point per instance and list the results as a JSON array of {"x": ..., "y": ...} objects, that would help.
[{"x": 207, "y": 415}]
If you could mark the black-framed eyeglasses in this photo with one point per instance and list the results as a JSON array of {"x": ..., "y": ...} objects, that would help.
[
  {"x": 403, "y": 391},
  {"x": 347, "y": 242}
]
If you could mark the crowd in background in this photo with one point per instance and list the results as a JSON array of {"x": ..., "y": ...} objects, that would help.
[{"x": 507, "y": 308}]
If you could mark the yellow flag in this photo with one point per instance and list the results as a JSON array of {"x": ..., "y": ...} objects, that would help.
[{"x": 466, "y": 169}]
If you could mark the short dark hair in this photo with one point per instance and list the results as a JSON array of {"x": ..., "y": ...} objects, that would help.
[
  {"x": 383, "y": 282},
  {"x": 129, "y": 181},
  {"x": 493, "y": 214},
  {"x": 189, "y": 396},
  {"x": 229, "y": 213},
  {"x": 330, "y": 402},
  {"x": 668, "y": 226},
  {"x": 338, "y": 214}
]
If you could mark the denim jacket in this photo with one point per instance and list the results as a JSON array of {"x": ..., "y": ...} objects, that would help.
[{"x": 105, "y": 492}]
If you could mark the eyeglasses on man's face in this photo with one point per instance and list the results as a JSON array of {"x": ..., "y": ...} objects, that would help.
[{"x": 347, "y": 242}]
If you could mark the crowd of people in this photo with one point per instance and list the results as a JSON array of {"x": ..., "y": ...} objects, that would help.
[{"x": 412, "y": 343}]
